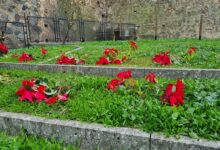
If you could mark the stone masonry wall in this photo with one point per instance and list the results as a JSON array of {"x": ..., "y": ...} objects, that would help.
[
  {"x": 176, "y": 18},
  {"x": 13, "y": 11}
]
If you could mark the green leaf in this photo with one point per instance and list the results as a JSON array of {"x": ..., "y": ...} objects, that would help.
[
  {"x": 175, "y": 115},
  {"x": 193, "y": 135}
]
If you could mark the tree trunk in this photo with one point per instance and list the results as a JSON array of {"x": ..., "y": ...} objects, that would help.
[{"x": 66, "y": 36}]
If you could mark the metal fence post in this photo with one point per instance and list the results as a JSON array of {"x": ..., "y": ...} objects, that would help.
[
  {"x": 200, "y": 27},
  {"x": 82, "y": 31},
  {"x": 156, "y": 19}
]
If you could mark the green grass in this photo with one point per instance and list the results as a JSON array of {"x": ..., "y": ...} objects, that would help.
[
  {"x": 207, "y": 56},
  {"x": 138, "y": 107},
  {"x": 53, "y": 51},
  {"x": 27, "y": 142}
]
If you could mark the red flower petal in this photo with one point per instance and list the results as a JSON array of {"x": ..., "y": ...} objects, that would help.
[
  {"x": 173, "y": 101},
  {"x": 66, "y": 60},
  {"x": 192, "y": 50},
  {"x": 51, "y": 100},
  {"x": 133, "y": 44},
  {"x": 151, "y": 77},
  {"x": 28, "y": 83},
  {"x": 102, "y": 61},
  {"x": 21, "y": 90},
  {"x": 110, "y": 52},
  {"x": 124, "y": 58},
  {"x": 118, "y": 62},
  {"x": 27, "y": 95},
  {"x": 125, "y": 75},
  {"x": 3, "y": 48},
  {"x": 163, "y": 58},
  {"x": 113, "y": 84},
  {"x": 25, "y": 57},
  {"x": 43, "y": 51},
  {"x": 39, "y": 96},
  {"x": 63, "y": 97},
  {"x": 174, "y": 94}
]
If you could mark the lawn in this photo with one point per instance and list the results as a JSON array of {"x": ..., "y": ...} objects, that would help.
[
  {"x": 35, "y": 51},
  {"x": 136, "y": 105},
  {"x": 27, "y": 142},
  {"x": 206, "y": 56}
]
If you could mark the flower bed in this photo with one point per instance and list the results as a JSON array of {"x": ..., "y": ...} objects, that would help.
[
  {"x": 153, "y": 104},
  {"x": 163, "y": 53},
  {"x": 37, "y": 54}
]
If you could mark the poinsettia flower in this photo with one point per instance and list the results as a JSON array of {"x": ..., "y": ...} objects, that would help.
[
  {"x": 43, "y": 51},
  {"x": 21, "y": 90},
  {"x": 191, "y": 50},
  {"x": 133, "y": 44},
  {"x": 40, "y": 95},
  {"x": 25, "y": 57},
  {"x": 63, "y": 97},
  {"x": 124, "y": 58},
  {"x": 110, "y": 51},
  {"x": 163, "y": 58},
  {"x": 113, "y": 84},
  {"x": 174, "y": 94},
  {"x": 103, "y": 61},
  {"x": 66, "y": 60},
  {"x": 118, "y": 62},
  {"x": 124, "y": 75},
  {"x": 25, "y": 94},
  {"x": 151, "y": 77},
  {"x": 28, "y": 83},
  {"x": 51, "y": 100},
  {"x": 3, "y": 48}
]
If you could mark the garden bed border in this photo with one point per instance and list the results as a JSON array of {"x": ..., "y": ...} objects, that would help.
[
  {"x": 92, "y": 136},
  {"x": 138, "y": 72}
]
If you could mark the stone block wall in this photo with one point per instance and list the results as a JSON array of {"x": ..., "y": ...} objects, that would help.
[
  {"x": 14, "y": 10},
  {"x": 176, "y": 18}
]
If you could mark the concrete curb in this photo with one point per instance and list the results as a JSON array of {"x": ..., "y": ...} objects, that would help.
[
  {"x": 93, "y": 136},
  {"x": 112, "y": 71}
]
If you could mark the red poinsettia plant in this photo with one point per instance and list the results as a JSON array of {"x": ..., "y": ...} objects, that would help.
[
  {"x": 24, "y": 57},
  {"x": 65, "y": 60},
  {"x": 192, "y": 50},
  {"x": 3, "y": 48},
  {"x": 174, "y": 94},
  {"x": 111, "y": 56},
  {"x": 37, "y": 90},
  {"x": 122, "y": 77},
  {"x": 151, "y": 77},
  {"x": 133, "y": 45},
  {"x": 190, "y": 53},
  {"x": 163, "y": 58},
  {"x": 44, "y": 51}
]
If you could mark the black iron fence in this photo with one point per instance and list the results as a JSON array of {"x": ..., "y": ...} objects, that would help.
[
  {"x": 35, "y": 29},
  {"x": 47, "y": 29},
  {"x": 14, "y": 34}
]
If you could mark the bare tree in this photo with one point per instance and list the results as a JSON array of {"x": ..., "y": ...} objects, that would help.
[{"x": 72, "y": 11}]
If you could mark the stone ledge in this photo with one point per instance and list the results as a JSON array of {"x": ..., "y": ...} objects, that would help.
[
  {"x": 160, "y": 142},
  {"x": 87, "y": 136},
  {"x": 93, "y": 136},
  {"x": 112, "y": 71}
]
